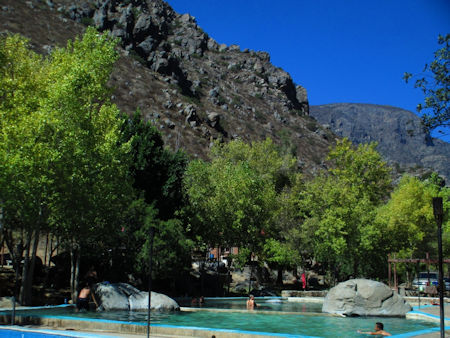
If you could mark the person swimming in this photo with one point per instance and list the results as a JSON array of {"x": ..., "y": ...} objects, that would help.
[
  {"x": 379, "y": 330},
  {"x": 251, "y": 304}
]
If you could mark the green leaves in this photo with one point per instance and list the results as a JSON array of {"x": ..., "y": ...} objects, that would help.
[
  {"x": 59, "y": 148},
  {"x": 339, "y": 208},
  {"x": 435, "y": 86},
  {"x": 234, "y": 198},
  {"x": 408, "y": 219}
]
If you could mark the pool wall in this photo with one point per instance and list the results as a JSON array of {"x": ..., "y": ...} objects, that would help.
[
  {"x": 111, "y": 326},
  {"x": 64, "y": 322}
]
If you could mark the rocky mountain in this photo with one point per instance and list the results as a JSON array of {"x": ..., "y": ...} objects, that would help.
[
  {"x": 194, "y": 89},
  {"x": 399, "y": 133}
]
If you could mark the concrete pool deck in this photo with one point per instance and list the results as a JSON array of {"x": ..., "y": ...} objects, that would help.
[{"x": 432, "y": 313}]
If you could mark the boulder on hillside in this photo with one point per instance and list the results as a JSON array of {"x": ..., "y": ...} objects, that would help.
[
  {"x": 122, "y": 296},
  {"x": 364, "y": 297}
]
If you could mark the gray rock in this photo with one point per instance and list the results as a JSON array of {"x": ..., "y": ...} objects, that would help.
[
  {"x": 258, "y": 67},
  {"x": 101, "y": 18},
  {"x": 213, "y": 119},
  {"x": 169, "y": 123},
  {"x": 144, "y": 27},
  {"x": 146, "y": 46},
  {"x": 187, "y": 18},
  {"x": 235, "y": 48},
  {"x": 214, "y": 92},
  {"x": 127, "y": 16},
  {"x": 192, "y": 118},
  {"x": 212, "y": 44},
  {"x": 302, "y": 95},
  {"x": 222, "y": 47},
  {"x": 160, "y": 65},
  {"x": 119, "y": 32},
  {"x": 364, "y": 297},
  {"x": 122, "y": 296}
]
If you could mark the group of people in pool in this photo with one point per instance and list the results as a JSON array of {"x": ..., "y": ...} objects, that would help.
[{"x": 85, "y": 294}]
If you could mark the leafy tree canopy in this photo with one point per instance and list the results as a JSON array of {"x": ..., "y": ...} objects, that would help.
[
  {"x": 435, "y": 85},
  {"x": 338, "y": 209},
  {"x": 408, "y": 219}
]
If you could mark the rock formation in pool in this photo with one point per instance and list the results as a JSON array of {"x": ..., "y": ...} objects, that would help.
[
  {"x": 122, "y": 296},
  {"x": 364, "y": 297}
]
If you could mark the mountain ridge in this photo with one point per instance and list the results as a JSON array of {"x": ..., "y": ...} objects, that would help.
[{"x": 399, "y": 133}]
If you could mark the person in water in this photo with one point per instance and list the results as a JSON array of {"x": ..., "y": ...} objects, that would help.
[
  {"x": 379, "y": 330},
  {"x": 84, "y": 296},
  {"x": 251, "y": 304}
]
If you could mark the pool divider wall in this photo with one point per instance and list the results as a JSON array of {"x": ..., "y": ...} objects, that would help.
[
  {"x": 108, "y": 326},
  {"x": 302, "y": 294}
]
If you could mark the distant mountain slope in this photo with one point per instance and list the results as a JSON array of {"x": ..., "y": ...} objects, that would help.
[{"x": 399, "y": 133}]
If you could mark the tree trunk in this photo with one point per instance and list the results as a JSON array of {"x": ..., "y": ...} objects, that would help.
[
  {"x": 25, "y": 269},
  {"x": 16, "y": 251},
  {"x": 280, "y": 276},
  {"x": 29, "y": 281},
  {"x": 74, "y": 271},
  {"x": 46, "y": 247}
]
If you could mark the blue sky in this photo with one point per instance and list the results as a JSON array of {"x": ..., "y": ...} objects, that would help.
[{"x": 341, "y": 51}]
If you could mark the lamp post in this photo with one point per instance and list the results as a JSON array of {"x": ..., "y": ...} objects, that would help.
[
  {"x": 438, "y": 215},
  {"x": 152, "y": 234}
]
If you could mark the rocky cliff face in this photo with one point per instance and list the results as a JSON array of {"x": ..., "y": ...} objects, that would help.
[
  {"x": 400, "y": 136},
  {"x": 191, "y": 87}
]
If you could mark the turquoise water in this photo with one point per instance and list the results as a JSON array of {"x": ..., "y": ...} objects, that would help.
[
  {"x": 309, "y": 323},
  {"x": 263, "y": 304}
]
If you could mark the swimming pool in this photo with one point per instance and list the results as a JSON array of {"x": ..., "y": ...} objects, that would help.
[
  {"x": 216, "y": 317},
  {"x": 263, "y": 304}
]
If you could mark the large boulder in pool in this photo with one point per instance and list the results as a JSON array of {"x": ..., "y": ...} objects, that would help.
[
  {"x": 122, "y": 296},
  {"x": 364, "y": 297}
]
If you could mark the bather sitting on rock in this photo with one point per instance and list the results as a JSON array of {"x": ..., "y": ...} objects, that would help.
[{"x": 83, "y": 298}]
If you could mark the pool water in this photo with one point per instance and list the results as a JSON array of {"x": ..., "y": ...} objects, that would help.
[
  {"x": 263, "y": 304},
  {"x": 308, "y": 324}
]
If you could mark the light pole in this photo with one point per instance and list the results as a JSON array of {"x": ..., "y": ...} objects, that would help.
[
  {"x": 438, "y": 215},
  {"x": 152, "y": 234}
]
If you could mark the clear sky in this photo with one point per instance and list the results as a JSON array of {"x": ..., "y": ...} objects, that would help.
[{"x": 340, "y": 50}]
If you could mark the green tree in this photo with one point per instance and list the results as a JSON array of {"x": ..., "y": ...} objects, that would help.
[
  {"x": 157, "y": 171},
  {"x": 62, "y": 162},
  {"x": 157, "y": 174},
  {"x": 91, "y": 184},
  {"x": 338, "y": 210},
  {"x": 234, "y": 197},
  {"x": 25, "y": 157},
  {"x": 435, "y": 86},
  {"x": 231, "y": 203},
  {"x": 408, "y": 219}
]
